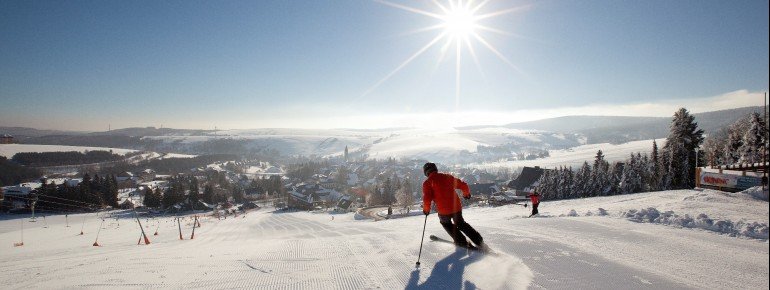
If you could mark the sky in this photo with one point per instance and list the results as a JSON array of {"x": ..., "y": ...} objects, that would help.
[{"x": 94, "y": 65}]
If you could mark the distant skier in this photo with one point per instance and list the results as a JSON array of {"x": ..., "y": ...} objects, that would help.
[
  {"x": 535, "y": 198},
  {"x": 440, "y": 188}
]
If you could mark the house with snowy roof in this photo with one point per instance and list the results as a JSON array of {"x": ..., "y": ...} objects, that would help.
[
  {"x": 6, "y": 139},
  {"x": 16, "y": 197},
  {"x": 483, "y": 189},
  {"x": 308, "y": 196},
  {"x": 526, "y": 182}
]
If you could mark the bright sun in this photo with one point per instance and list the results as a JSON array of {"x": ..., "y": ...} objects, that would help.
[{"x": 459, "y": 23}]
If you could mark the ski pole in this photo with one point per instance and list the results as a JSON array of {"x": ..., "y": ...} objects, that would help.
[{"x": 421, "y": 240}]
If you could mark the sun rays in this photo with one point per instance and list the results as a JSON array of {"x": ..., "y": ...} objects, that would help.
[{"x": 459, "y": 26}]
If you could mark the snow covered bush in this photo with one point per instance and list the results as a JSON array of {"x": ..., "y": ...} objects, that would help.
[
  {"x": 702, "y": 221},
  {"x": 602, "y": 212},
  {"x": 757, "y": 192},
  {"x": 644, "y": 215}
]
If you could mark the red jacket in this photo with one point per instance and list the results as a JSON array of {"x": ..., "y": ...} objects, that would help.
[
  {"x": 440, "y": 187},
  {"x": 534, "y": 197}
]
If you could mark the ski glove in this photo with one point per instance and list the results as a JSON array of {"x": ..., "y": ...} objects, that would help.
[
  {"x": 467, "y": 197},
  {"x": 425, "y": 212}
]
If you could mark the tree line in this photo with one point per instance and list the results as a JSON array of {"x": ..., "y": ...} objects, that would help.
[
  {"x": 12, "y": 173},
  {"x": 169, "y": 165},
  {"x": 64, "y": 158},
  {"x": 212, "y": 188},
  {"x": 743, "y": 142},
  {"x": 88, "y": 195},
  {"x": 672, "y": 167}
]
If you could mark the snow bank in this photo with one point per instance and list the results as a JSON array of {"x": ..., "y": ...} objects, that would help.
[
  {"x": 757, "y": 192},
  {"x": 702, "y": 221}
]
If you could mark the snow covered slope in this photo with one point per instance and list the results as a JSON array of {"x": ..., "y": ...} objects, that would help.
[
  {"x": 441, "y": 145},
  {"x": 566, "y": 248},
  {"x": 577, "y": 155}
]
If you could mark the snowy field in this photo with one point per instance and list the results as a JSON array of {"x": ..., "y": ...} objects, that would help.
[
  {"x": 433, "y": 144},
  {"x": 566, "y": 248},
  {"x": 8, "y": 150},
  {"x": 577, "y": 155},
  {"x": 438, "y": 145}
]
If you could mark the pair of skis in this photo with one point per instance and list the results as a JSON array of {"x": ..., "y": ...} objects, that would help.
[
  {"x": 485, "y": 250},
  {"x": 437, "y": 239}
]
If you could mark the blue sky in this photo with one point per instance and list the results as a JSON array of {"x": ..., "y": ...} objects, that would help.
[{"x": 86, "y": 65}]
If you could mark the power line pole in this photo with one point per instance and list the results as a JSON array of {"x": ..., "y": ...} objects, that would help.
[{"x": 765, "y": 147}]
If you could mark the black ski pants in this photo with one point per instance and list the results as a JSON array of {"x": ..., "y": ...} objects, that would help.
[
  {"x": 455, "y": 226},
  {"x": 534, "y": 208}
]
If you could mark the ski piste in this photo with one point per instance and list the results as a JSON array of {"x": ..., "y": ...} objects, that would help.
[{"x": 470, "y": 247}]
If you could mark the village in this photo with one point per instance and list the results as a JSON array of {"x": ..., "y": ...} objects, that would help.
[{"x": 327, "y": 184}]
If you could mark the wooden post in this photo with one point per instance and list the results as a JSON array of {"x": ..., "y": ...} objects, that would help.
[{"x": 697, "y": 177}]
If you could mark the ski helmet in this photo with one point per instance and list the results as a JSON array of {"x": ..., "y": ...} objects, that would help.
[{"x": 428, "y": 168}]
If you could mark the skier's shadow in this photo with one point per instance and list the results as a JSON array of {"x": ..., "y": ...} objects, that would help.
[{"x": 446, "y": 274}]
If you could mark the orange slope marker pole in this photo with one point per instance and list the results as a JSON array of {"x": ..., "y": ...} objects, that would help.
[
  {"x": 146, "y": 239},
  {"x": 22, "y": 236},
  {"x": 96, "y": 242},
  {"x": 195, "y": 224},
  {"x": 84, "y": 224},
  {"x": 179, "y": 223}
]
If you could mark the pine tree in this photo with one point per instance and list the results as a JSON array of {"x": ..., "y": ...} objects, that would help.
[
  {"x": 175, "y": 193},
  {"x": 543, "y": 185},
  {"x": 97, "y": 184},
  {"x": 553, "y": 183},
  {"x": 664, "y": 173},
  {"x": 208, "y": 194},
  {"x": 683, "y": 139},
  {"x": 615, "y": 173},
  {"x": 645, "y": 171},
  {"x": 562, "y": 183},
  {"x": 655, "y": 170},
  {"x": 110, "y": 191},
  {"x": 238, "y": 194},
  {"x": 570, "y": 183},
  {"x": 732, "y": 148},
  {"x": 754, "y": 140},
  {"x": 86, "y": 193},
  {"x": 599, "y": 176},
  {"x": 714, "y": 150},
  {"x": 583, "y": 181},
  {"x": 193, "y": 196},
  {"x": 631, "y": 180},
  {"x": 152, "y": 198}
]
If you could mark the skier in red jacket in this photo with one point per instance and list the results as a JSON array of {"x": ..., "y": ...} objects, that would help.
[
  {"x": 440, "y": 188},
  {"x": 535, "y": 198}
]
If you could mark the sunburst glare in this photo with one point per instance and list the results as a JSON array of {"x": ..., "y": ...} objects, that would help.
[
  {"x": 459, "y": 22},
  {"x": 459, "y": 26}
]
